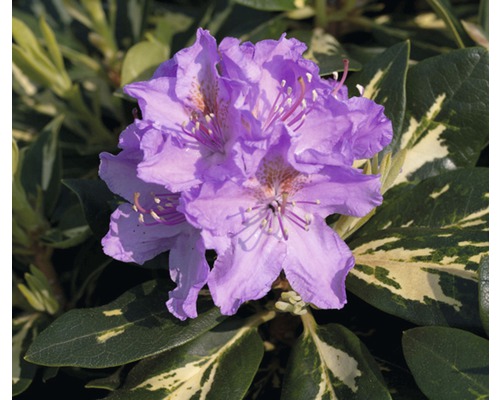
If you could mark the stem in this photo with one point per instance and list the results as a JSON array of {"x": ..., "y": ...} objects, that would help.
[
  {"x": 308, "y": 321},
  {"x": 261, "y": 318},
  {"x": 43, "y": 262},
  {"x": 320, "y": 20}
]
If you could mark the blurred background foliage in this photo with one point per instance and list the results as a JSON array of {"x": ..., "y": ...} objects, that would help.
[{"x": 71, "y": 59}]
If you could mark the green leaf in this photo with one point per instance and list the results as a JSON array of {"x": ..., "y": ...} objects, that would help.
[
  {"x": 447, "y": 363},
  {"x": 22, "y": 371},
  {"x": 218, "y": 365},
  {"x": 169, "y": 24},
  {"x": 271, "y": 5},
  {"x": 330, "y": 362},
  {"x": 111, "y": 382},
  {"x": 34, "y": 61},
  {"x": 446, "y": 124},
  {"x": 444, "y": 10},
  {"x": 418, "y": 257},
  {"x": 141, "y": 61},
  {"x": 25, "y": 38},
  {"x": 71, "y": 230},
  {"x": 41, "y": 167},
  {"x": 97, "y": 202},
  {"x": 39, "y": 292},
  {"x": 455, "y": 199},
  {"x": 52, "y": 45},
  {"x": 132, "y": 327},
  {"x": 384, "y": 81},
  {"x": 484, "y": 292}
]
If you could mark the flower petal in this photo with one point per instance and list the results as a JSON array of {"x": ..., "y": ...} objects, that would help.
[
  {"x": 189, "y": 270},
  {"x": 120, "y": 171},
  {"x": 317, "y": 263},
  {"x": 372, "y": 130},
  {"x": 341, "y": 190},
  {"x": 129, "y": 240},
  {"x": 218, "y": 207},
  {"x": 247, "y": 270},
  {"x": 158, "y": 102},
  {"x": 168, "y": 163}
]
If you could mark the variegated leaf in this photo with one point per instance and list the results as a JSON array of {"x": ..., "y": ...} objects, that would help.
[
  {"x": 218, "y": 365},
  {"x": 22, "y": 371},
  {"x": 484, "y": 292},
  {"x": 457, "y": 199},
  {"x": 384, "y": 81},
  {"x": 425, "y": 275},
  {"x": 132, "y": 327},
  {"x": 446, "y": 124},
  {"x": 418, "y": 257},
  {"x": 325, "y": 50},
  {"x": 330, "y": 362},
  {"x": 448, "y": 363},
  {"x": 446, "y": 12}
]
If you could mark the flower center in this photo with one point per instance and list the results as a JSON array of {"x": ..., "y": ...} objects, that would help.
[
  {"x": 162, "y": 211},
  {"x": 206, "y": 130},
  {"x": 290, "y": 107},
  {"x": 275, "y": 206}
]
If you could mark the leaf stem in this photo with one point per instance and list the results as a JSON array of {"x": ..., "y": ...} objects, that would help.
[
  {"x": 309, "y": 322},
  {"x": 261, "y": 318}
]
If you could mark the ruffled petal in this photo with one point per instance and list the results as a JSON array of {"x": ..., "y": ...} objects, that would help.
[
  {"x": 159, "y": 102},
  {"x": 317, "y": 263},
  {"x": 120, "y": 171},
  {"x": 372, "y": 130},
  {"x": 168, "y": 162},
  {"x": 247, "y": 270},
  {"x": 339, "y": 190},
  {"x": 189, "y": 270},
  {"x": 129, "y": 240}
]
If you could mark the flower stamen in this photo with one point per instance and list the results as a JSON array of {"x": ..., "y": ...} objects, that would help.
[
  {"x": 344, "y": 76},
  {"x": 165, "y": 213}
]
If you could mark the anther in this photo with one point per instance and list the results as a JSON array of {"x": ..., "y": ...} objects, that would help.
[
  {"x": 361, "y": 89},
  {"x": 141, "y": 218},
  {"x": 289, "y": 90},
  {"x": 309, "y": 77},
  {"x": 154, "y": 215},
  {"x": 283, "y": 83},
  {"x": 314, "y": 95}
]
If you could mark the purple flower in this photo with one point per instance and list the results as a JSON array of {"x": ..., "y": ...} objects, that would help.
[
  {"x": 149, "y": 224},
  {"x": 363, "y": 127},
  {"x": 274, "y": 222},
  {"x": 244, "y": 149},
  {"x": 202, "y": 128}
]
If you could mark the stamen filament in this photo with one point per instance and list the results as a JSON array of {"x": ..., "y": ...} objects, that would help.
[{"x": 344, "y": 76}]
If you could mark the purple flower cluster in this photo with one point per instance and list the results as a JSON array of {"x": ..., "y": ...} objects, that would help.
[{"x": 242, "y": 148}]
